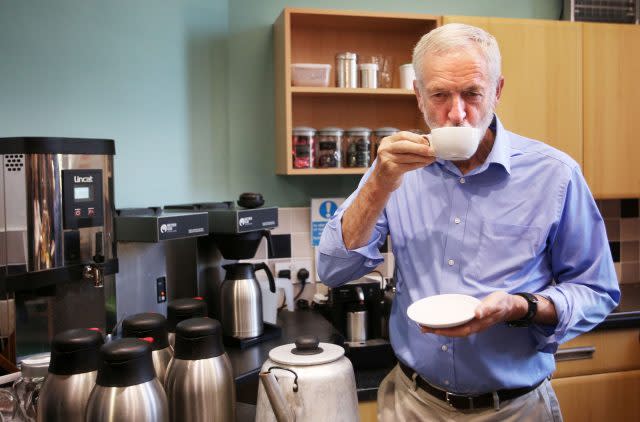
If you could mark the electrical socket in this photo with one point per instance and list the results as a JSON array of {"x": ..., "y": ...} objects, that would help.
[
  {"x": 279, "y": 266},
  {"x": 298, "y": 264}
]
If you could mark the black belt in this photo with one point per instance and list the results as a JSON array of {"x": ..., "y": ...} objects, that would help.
[{"x": 467, "y": 402}]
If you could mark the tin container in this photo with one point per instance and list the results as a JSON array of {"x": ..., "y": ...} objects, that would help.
[{"x": 346, "y": 70}]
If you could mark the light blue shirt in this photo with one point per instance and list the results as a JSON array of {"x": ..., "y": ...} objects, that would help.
[{"x": 523, "y": 221}]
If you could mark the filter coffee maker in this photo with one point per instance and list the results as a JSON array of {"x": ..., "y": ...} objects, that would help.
[{"x": 230, "y": 288}]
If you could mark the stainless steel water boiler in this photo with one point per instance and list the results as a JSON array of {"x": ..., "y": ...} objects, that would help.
[{"x": 56, "y": 233}]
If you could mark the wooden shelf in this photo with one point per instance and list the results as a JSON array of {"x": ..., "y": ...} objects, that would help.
[
  {"x": 327, "y": 171},
  {"x": 316, "y": 36},
  {"x": 388, "y": 92}
]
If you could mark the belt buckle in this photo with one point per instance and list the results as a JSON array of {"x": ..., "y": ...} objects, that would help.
[{"x": 448, "y": 395}]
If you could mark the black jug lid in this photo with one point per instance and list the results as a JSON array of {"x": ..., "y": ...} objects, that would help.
[
  {"x": 198, "y": 338},
  {"x": 75, "y": 351},
  {"x": 180, "y": 309},
  {"x": 147, "y": 325},
  {"x": 125, "y": 362}
]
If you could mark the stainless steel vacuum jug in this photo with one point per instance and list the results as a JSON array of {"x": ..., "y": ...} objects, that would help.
[
  {"x": 72, "y": 375},
  {"x": 199, "y": 384},
  {"x": 127, "y": 389},
  {"x": 241, "y": 300},
  {"x": 155, "y": 326},
  {"x": 179, "y": 310}
]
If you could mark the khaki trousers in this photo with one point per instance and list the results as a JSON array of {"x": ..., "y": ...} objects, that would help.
[{"x": 399, "y": 402}]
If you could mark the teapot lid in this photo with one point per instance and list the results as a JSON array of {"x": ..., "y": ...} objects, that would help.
[{"x": 306, "y": 351}]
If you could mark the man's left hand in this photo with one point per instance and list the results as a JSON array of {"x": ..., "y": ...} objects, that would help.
[{"x": 495, "y": 308}]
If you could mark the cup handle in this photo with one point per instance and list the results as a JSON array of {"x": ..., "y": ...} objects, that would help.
[{"x": 428, "y": 138}]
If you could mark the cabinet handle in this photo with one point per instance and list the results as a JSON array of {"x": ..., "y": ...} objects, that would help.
[{"x": 575, "y": 353}]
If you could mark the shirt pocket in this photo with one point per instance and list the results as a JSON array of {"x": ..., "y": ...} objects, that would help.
[{"x": 505, "y": 253}]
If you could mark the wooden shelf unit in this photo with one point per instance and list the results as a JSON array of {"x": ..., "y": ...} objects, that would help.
[{"x": 316, "y": 36}]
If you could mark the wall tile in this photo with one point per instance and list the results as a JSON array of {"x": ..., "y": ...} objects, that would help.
[
  {"x": 629, "y": 208},
  {"x": 261, "y": 253},
  {"x": 630, "y": 272},
  {"x": 618, "y": 267},
  {"x": 301, "y": 220},
  {"x": 284, "y": 221},
  {"x": 613, "y": 228},
  {"x": 281, "y": 246},
  {"x": 629, "y": 251},
  {"x": 609, "y": 208},
  {"x": 615, "y": 251},
  {"x": 629, "y": 229},
  {"x": 301, "y": 245}
]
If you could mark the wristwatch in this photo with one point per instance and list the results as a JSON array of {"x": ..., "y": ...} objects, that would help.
[{"x": 526, "y": 320}]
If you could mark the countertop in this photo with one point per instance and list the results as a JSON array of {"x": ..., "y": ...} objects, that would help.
[{"x": 247, "y": 362}]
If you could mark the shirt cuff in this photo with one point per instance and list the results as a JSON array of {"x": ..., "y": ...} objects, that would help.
[
  {"x": 548, "y": 337},
  {"x": 333, "y": 245}
]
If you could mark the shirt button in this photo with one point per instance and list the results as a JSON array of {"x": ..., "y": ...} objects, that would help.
[
  {"x": 457, "y": 220},
  {"x": 444, "y": 348},
  {"x": 451, "y": 262},
  {"x": 446, "y": 382},
  {"x": 462, "y": 180}
]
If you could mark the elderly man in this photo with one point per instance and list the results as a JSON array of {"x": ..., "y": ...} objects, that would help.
[{"x": 514, "y": 226}]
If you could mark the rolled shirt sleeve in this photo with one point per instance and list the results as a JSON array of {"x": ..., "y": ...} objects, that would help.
[
  {"x": 586, "y": 288},
  {"x": 336, "y": 264}
]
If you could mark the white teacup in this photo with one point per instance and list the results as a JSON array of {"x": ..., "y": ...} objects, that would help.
[{"x": 455, "y": 143}]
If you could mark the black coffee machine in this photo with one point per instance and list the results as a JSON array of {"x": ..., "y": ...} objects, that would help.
[{"x": 235, "y": 298}]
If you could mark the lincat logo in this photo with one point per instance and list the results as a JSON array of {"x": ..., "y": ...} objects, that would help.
[
  {"x": 245, "y": 221},
  {"x": 80, "y": 179}
]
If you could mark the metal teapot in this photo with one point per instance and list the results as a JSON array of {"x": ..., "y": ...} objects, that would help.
[{"x": 307, "y": 381}]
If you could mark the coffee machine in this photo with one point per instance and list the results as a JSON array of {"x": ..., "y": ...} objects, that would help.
[
  {"x": 230, "y": 288},
  {"x": 356, "y": 310},
  {"x": 57, "y": 257}
]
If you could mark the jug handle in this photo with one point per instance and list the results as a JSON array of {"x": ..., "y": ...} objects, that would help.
[
  {"x": 281, "y": 410},
  {"x": 267, "y": 234},
  {"x": 265, "y": 267}
]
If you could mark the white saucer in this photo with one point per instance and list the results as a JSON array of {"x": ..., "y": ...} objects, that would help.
[{"x": 443, "y": 311}]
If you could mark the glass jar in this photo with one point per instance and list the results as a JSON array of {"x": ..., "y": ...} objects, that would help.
[
  {"x": 328, "y": 142},
  {"x": 302, "y": 147},
  {"x": 34, "y": 370},
  {"x": 378, "y": 135},
  {"x": 357, "y": 150}
]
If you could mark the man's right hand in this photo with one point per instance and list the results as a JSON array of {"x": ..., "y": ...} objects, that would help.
[{"x": 398, "y": 154}]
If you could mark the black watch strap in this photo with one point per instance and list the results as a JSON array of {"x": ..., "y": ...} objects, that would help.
[{"x": 526, "y": 320}]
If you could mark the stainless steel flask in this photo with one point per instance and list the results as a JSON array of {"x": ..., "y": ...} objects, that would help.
[
  {"x": 199, "y": 384},
  {"x": 155, "y": 326},
  {"x": 127, "y": 389},
  {"x": 241, "y": 300},
  {"x": 75, "y": 355},
  {"x": 180, "y": 309}
]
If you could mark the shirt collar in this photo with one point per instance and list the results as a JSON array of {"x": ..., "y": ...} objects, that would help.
[{"x": 500, "y": 152}]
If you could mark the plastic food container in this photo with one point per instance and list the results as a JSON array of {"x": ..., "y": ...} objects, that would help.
[{"x": 310, "y": 74}]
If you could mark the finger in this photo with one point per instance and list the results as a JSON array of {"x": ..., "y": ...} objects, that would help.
[
  {"x": 407, "y": 147},
  {"x": 408, "y": 136},
  {"x": 407, "y": 158}
]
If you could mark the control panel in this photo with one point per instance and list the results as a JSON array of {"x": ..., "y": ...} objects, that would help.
[{"x": 82, "y": 198}]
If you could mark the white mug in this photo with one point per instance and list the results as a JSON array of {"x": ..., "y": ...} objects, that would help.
[
  {"x": 455, "y": 143},
  {"x": 407, "y": 76}
]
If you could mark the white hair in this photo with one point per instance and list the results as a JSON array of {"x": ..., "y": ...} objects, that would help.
[{"x": 457, "y": 35}]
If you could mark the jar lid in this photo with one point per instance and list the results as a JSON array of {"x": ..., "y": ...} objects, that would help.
[
  {"x": 306, "y": 351},
  {"x": 35, "y": 366},
  {"x": 330, "y": 130},
  {"x": 368, "y": 66},
  {"x": 304, "y": 131},
  {"x": 346, "y": 55},
  {"x": 363, "y": 131},
  {"x": 386, "y": 131}
]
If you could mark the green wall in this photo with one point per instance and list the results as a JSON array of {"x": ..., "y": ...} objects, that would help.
[{"x": 184, "y": 87}]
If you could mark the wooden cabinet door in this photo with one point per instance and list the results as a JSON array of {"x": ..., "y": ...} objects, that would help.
[
  {"x": 601, "y": 397},
  {"x": 541, "y": 64},
  {"x": 611, "y": 119}
]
